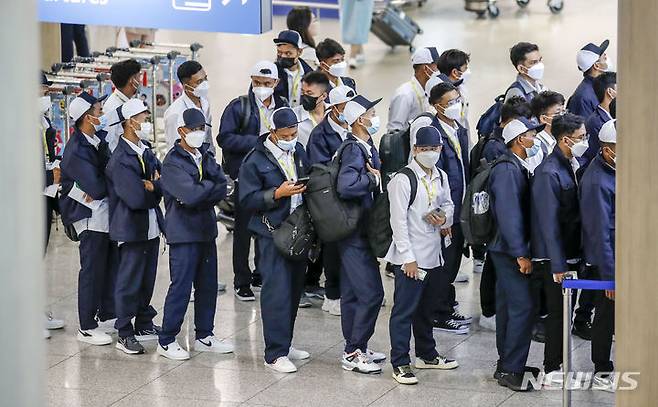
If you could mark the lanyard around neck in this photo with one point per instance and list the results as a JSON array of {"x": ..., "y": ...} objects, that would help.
[
  {"x": 288, "y": 167},
  {"x": 431, "y": 191}
]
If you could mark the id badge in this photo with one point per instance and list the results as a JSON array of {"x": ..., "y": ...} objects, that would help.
[{"x": 447, "y": 241}]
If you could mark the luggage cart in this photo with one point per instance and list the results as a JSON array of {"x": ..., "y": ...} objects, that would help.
[{"x": 490, "y": 7}]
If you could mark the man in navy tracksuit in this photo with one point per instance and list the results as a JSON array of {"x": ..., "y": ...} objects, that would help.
[
  {"x": 322, "y": 145},
  {"x": 237, "y": 136},
  {"x": 84, "y": 208},
  {"x": 192, "y": 183},
  {"x": 605, "y": 87},
  {"x": 269, "y": 189},
  {"x": 361, "y": 282},
  {"x": 136, "y": 221},
  {"x": 556, "y": 243},
  {"x": 592, "y": 61},
  {"x": 597, "y": 202},
  {"x": 454, "y": 162},
  {"x": 509, "y": 200}
]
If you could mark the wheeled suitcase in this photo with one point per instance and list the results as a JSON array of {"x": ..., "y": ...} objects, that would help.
[{"x": 394, "y": 27}]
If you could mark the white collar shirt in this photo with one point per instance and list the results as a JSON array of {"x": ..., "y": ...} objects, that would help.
[
  {"x": 172, "y": 119},
  {"x": 286, "y": 161},
  {"x": 295, "y": 85},
  {"x": 116, "y": 99},
  {"x": 407, "y": 103},
  {"x": 265, "y": 114}
]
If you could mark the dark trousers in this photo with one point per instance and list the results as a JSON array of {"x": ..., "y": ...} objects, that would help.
[
  {"x": 73, "y": 33},
  {"x": 190, "y": 264},
  {"x": 134, "y": 288},
  {"x": 283, "y": 284},
  {"x": 479, "y": 252},
  {"x": 412, "y": 310},
  {"x": 452, "y": 256},
  {"x": 541, "y": 272},
  {"x": 51, "y": 204},
  {"x": 514, "y": 313},
  {"x": 602, "y": 329},
  {"x": 585, "y": 298},
  {"x": 242, "y": 274},
  {"x": 361, "y": 292},
  {"x": 98, "y": 264},
  {"x": 329, "y": 261},
  {"x": 488, "y": 288}
]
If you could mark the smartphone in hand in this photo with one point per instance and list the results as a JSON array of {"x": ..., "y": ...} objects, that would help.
[{"x": 301, "y": 181}]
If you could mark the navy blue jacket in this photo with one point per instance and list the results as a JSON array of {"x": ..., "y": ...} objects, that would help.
[
  {"x": 129, "y": 200},
  {"x": 597, "y": 203},
  {"x": 593, "y": 126},
  {"x": 509, "y": 187},
  {"x": 190, "y": 199},
  {"x": 260, "y": 176},
  {"x": 354, "y": 181},
  {"x": 583, "y": 101},
  {"x": 281, "y": 90},
  {"x": 449, "y": 162},
  {"x": 235, "y": 142},
  {"x": 495, "y": 146},
  {"x": 347, "y": 81},
  {"x": 323, "y": 143},
  {"x": 83, "y": 165},
  {"x": 555, "y": 212}
]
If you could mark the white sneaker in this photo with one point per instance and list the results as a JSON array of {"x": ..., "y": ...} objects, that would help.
[
  {"x": 296, "y": 354},
  {"x": 331, "y": 306},
  {"x": 282, "y": 365},
  {"x": 461, "y": 277},
  {"x": 603, "y": 384},
  {"x": 376, "y": 357},
  {"x": 212, "y": 344},
  {"x": 488, "y": 322},
  {"x": 46, "y": 334},
  {"x": 192, "y": 296},
  {"x": 478, "y": 266},
  {"x": 107, "y": 326},
  {"x": 95, "y": 336},
  {"x": 440, "y": 362},
  {"x": 52, "y": 323},
  {"x": 359, "y": 362},
  {"x": 173, "y": 351}
]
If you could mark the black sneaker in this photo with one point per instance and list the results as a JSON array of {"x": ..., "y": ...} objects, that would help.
[
  {"x": 582, "y": 330},
  {"x": 390, "y": 271},
  {"x": 314, "y": 291},
  {"x": 530, "y": 369},
  {"x": 514, "y": 381},
  {"x": 130, "y": 345},
  {"x": 150, "y": 334},
  {"x": 461, "y": 319},
  {"x": 404, "y": 375},
  {"x": 539, "y": 332},
  {"x": 305, "y": 302},
  {"x": 244, "y": 294},
  {"x": 256, "y": 283},
  {"x": 451, "y": 326}
]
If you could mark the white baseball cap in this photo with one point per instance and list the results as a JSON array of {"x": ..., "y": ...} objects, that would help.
[
  {"x": 131, "y": 108},
  {"x": 81, "y": 104},
  {"x": 608, "y": 132},
  {"x": 589, "y": 54},
  {"x": 265, "y": 69},
  {"x": 519, "y": 126},
  {"x": 425, "y": 55},
  {"x": 356, "y": 107},
  {"x": 341, "y": 94}
]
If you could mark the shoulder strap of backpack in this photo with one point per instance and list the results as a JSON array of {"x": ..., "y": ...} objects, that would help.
[
  {"x": 339, "y": 153},
  {"x": 245, "y": 112},
  {"x": 413, "y": 182}
]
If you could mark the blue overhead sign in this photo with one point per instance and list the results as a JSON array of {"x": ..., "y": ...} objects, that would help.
[{"x": 233, "y": 16}]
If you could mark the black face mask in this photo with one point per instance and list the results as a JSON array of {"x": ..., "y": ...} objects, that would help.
[
  {"x": 286, "y": 63},
  {"x": 309, "y": 102}
]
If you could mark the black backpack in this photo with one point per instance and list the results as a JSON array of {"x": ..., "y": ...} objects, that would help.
[
  {"x": 491, "y": 118},
  {"x": 476, "y": 158},
  {"x": 334, "y": 218},
  {"x": 394, "y": 150},
  {"x": 477, "y": 221},
  {"x": 380, "y": 234}
]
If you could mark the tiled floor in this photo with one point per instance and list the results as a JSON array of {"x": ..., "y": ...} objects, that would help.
[{"x": 82, "y": 375}]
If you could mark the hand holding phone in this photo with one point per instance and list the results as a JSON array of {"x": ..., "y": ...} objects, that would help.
[{"x": 301, "y": 181}]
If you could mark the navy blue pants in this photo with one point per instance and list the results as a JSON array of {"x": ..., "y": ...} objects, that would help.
[
  {"x": 190, "y": 264},
  {"x": 361, "y": 292},
  {"x": 242, "y": 245},
  {"x": 514, "y": 313},
  {"x": 283, "y": 284},
  {"x": 445, "y": 294},
  {"x": 134, "y": 288},
  {"x": 70, "y": 34},
  {"x": 412, "y": 309},
  {"x": 98, "y": 265}
]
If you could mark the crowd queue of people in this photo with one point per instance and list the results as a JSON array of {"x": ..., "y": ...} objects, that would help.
[{"x": 551, "y": 189}]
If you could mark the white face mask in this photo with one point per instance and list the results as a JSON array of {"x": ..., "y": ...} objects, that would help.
[
  {"x": 263, "y": 92},
  {"x": 44, "y": 104},
  {"x": 428, "y": 159},
  {"x": 145, "y": 131},
  {"x": 338, "y": 69},
  {"x": 579, "y": 148},
  {"x": 374, "y": 125},
  {"x": 536, "y": 71},
  {"x": 465, "y": 75},
  {"x": 287, "y": 145},
  {"x": 195, "y": 138},
  {"x": 610, "y": 66},
  {"x": 454, "y": 111},
  {"x": 201, "y": 91}
]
